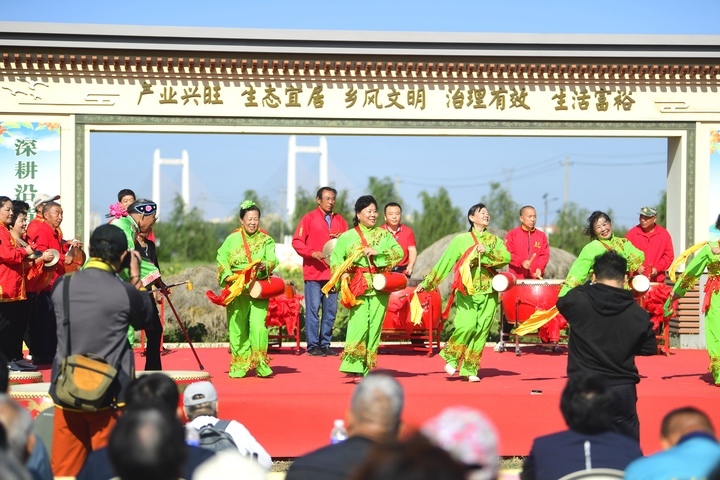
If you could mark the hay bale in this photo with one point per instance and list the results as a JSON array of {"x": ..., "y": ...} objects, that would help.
[
  {"x": 194, "y": 308},
  {"x": 558, "y": 267}
]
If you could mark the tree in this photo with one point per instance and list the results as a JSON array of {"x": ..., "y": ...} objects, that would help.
[
  {"x": 439, "y": 217},
  {"x": 568, "y": 233},
  {"x": 384, "y": 192},
  {"x": 186, "y": 236},
  {"x": 662, "y": 209},
  {"x": 503, "y": 210}
]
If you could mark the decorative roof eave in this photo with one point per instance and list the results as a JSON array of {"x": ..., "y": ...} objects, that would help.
[
  {"x": 175, "y": 41},
  {"x": 93, "y": 64}
]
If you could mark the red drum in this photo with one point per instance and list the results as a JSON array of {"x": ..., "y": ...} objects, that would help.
[
  {"x": 503, "y": 280},
  {"x": 528, "y": 296},
  {"x": 33, "y": 396},
  {"x": 272, "y": 287},
  {"x": 397, "y": 315},
  {"x": 389, "y": 282},
  {"x": 23, "y": 378}
]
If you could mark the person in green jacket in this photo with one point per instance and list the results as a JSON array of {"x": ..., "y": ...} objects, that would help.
[
  {"x": 361, "y": 253},
  {"x": 708, "y": 257},
  {"x": 247, "y": 254},
  {"x": 473, "y": 257},
  {"x": 599, "y": 229}
]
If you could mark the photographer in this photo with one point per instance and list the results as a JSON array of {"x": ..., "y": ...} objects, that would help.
[{"x": 101, "y": 307}]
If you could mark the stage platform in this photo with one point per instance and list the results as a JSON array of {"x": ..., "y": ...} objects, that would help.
[{"x": 293, "y": 412}]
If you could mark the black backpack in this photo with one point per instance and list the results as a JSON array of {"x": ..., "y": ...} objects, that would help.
[{"x": 215, "y": 438}]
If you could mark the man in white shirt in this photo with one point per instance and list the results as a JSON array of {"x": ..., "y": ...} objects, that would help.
[{"x": 201, "y": 406}]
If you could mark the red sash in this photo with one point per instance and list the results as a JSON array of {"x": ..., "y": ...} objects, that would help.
[{"x": 457, "y": 284}]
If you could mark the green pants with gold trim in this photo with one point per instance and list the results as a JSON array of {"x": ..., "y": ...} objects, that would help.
[
  {"x": 363, "y": 334},
  {"x": 712, "y": 335},
  {"x": 248, "y": 336},
  {"x": 473, "y": 317}
]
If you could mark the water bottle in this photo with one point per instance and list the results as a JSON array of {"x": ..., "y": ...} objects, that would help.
[
  {"x": 338, "y": 433},
  {"x": 192, "y": 435}
]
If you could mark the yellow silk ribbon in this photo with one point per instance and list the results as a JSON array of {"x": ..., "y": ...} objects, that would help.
[
  {"x": 466, "y": 275},
  {"x": 237, "y": 281},
  {"x": 683, "y": 257},
  {"x": 416, "y": 310},
  {"x": 536, "y": 320},
  {"x": 342, "y": 269},
  {"x": 347, "y": 298}
]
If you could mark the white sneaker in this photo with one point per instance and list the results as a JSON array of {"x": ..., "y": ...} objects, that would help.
[
  {"x": 499, "y": 347},
  {"x": 449, "y": 369},
  {"x": 473, "y": 378}
]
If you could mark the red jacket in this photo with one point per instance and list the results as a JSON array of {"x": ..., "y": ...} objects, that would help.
[
  {"x": 311, "y": 235},
  {"x": 657, "y": 247},
  {"x": 522, "y": 245},
  {"x": 46, "y": 237},
  {"x": 11, "y": 268}
]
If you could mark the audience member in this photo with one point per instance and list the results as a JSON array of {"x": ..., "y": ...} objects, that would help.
[
  {"x": 21, "y": 442},
  {"x": 469, "y": 437},
  {"x": 414, "y": 459},
  {"x": 11, "y": 468},
  {"x": 373, "y": 417},
  {"x": 201, "y": 407},
  {"x": 158, "y": 391},
  {"x": 587, "y": 405},
  {"x": 148, "y": 444},
  {"x": 690, "y": 449},
  {"x": 607, "y": 330},
  {"x": 229, "y": 465}
]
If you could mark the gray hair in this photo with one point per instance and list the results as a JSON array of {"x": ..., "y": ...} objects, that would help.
[
  {"x": 378, "y": 399},
  {"x": 18, "y": 426},
  {"x": 11, "y": 468}
]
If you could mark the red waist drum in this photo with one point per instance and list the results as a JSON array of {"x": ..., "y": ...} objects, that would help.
[
  {"x": 389, "y": 282},
  {"x": 528, "y": 296},
  {"x": 272, "y": 287}
]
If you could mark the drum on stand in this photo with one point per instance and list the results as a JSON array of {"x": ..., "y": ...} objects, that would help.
[
  {"x": 23, "y": 378},
  {"x": 35, "y": 397},
  {"x": 529, "y": 296},
  {"x": 520, "y": 301},
  {"x": 272, "y": 287}
]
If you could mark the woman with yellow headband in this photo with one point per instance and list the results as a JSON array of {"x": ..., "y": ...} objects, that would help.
[
  {"x": 708, "y": 257},
  {"x": 247, "y": 254}
]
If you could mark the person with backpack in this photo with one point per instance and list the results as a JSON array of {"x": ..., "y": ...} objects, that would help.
[{"x": 200, "y": 402}]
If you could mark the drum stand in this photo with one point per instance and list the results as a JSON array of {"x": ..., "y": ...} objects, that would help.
[{"x": 500, "y": 347}]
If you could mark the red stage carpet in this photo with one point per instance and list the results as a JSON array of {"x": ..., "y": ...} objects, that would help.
[{"x": 293, "y": 412}]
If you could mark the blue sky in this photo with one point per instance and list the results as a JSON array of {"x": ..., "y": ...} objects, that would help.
[{"x": 621, "y": 174}]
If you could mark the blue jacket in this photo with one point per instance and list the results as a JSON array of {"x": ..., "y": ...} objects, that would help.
[{"x": 694, "y": 456}]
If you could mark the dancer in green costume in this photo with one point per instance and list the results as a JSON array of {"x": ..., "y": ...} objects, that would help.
[
  {"x": 246, "y": 315},
  {"x": 708, "y": 257},
  {"x": 478, "y": 252},
  {"x": 599, "y": 228},
  {"x": 374, "y": 251}
]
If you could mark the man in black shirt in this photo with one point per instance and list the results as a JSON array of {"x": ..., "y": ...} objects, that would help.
[{"x": 607, "y": 330}]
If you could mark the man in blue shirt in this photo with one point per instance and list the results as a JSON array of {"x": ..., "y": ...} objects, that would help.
[{"x": 690, "y": 449}]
